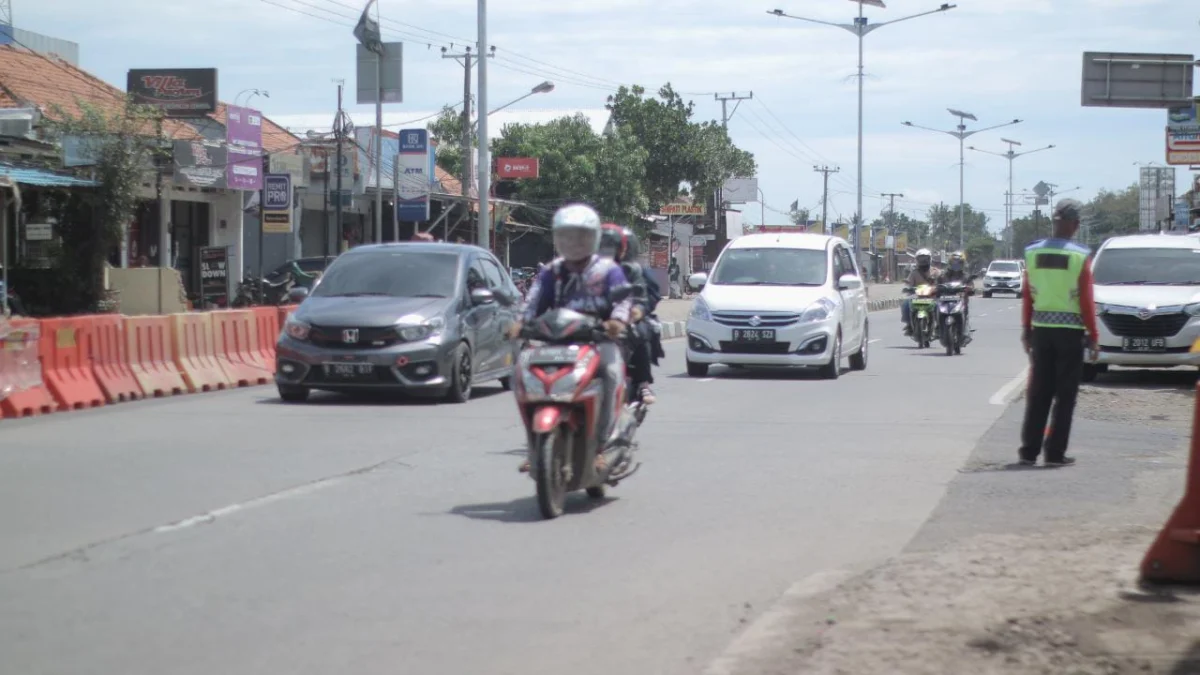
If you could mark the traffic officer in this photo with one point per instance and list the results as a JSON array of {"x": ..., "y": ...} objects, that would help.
[{"x": 1058, "y": 315}]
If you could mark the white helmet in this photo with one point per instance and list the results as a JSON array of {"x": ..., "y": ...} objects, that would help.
[
  {"x": 927, "y": 255},
  {"x": 576, "y": 232}
]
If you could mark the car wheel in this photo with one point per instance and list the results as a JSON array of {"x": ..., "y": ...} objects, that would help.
[
  {"x": 292, "y": 394},
  {"x": 1091, "y": 371},
  {"x": 506, "y": 383},
  {"x": 833, "y": 369},
  {"x": 697, "y": 369},
  {"x": 858, "y": 360},
  {"x": 987, "y": 294},
  {"x": 461, "y": 372}
]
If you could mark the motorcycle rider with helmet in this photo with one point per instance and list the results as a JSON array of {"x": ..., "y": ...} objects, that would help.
[
  {"x": 621, "y": 245},
  {"x": 582, "y": 281},
  {"x": 956, "y": 271},
  {"x": 923, "y": 274}
]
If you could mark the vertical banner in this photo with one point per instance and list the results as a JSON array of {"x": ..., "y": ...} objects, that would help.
[
  {"x": 902, "y": 241},
  {"x": 881, "y": 238},
  {"x": 214, "y": 276},
  {"x": 243, "y": 139},
  {"x": 277, "y": 203},
  {"x": 412, "y": 190}
]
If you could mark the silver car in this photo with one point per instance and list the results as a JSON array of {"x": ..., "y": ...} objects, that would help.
[
  {"x": 421, "y": 317},
  {"x": 1003, "y": 276}
]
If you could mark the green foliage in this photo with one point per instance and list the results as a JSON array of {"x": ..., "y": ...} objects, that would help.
[
  {"x": 91, "y": 221},
  {"x": 1108, "y": 214},
  {"x": 447, "y": 129},
  {"x": 798, "y": 216},
  {"x": 606, "y": 171},
  {"x": 944, "y": 229}
]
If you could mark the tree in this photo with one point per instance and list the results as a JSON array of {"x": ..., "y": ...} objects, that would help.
[
  {"x": 606, "y": 171},
  {"x": 92, "y": 223},
  {"x": 798, "y": 216},
  {"x": 447, "y": 129},
  {"x": 682, "y": 154},
  {"x": 917, "y": 230},
  {"x": 943, "y": 231},
  {"x": 1111, "y": 213}
]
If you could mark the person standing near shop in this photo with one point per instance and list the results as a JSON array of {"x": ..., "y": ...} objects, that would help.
[{"x": 1058, "y": 321}]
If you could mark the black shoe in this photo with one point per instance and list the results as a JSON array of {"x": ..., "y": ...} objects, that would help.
[
  {"x": 1062, "y": 461},
  {"x": 908, "y": 331},
  {"x": 1027, "y": 462}
]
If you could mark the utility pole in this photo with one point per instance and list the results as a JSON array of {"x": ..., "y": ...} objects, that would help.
[
  {"x": 891, "y": 227},
  {"x": 484, "y": 165},
  {"x": 338, "y": 124},
  {"x": 718, "y": 198},
  {"x": 825, "y": 170},
  {"x": 467, "y": 136}
]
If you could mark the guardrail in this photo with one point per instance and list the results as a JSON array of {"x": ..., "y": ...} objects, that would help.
[{"x": 73, "y": 363}]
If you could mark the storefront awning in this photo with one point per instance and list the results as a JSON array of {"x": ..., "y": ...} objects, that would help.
[{"x": 42, "y": 178}]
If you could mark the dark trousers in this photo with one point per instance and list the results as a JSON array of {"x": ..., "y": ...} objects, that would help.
[{"x": 1054, "y": 379}]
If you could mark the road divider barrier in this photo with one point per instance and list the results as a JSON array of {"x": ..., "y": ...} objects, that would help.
[
  {"x": 71, "y": 363},
  {"x": 1174, "y": 557}
]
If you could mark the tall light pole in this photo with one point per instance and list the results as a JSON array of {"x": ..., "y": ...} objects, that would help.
[
  {"x": 1008, "y": 203},
  {"x": 484, "y": 162},
  {"x": 960, "y": 132},
  {"x": 861, "y": 28},
  {"x": 543, "y": 88}
]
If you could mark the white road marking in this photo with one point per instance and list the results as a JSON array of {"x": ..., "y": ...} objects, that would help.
[
  {"x": 706, "y": 379},
  {"x": 871, "y": 342},
  {"x": 1005, "y": 393}
]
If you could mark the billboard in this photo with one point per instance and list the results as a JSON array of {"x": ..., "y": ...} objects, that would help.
[
  {"x": 277, "y": 204},
  {"x": 1121, "y": 80},
  {"x": 178, "y": 92},
  {"x": 199, "y": 163},
  {"x": 682, "y": 210},
  {"x": 243, "y": 138},
  {"x": 740, "y": 190},
  {"x": 517, "y": 167},
  {"x": 412, "y": 174},
  {"x": 1155, "y": 185},
  {"x": 393, "y": 73}
]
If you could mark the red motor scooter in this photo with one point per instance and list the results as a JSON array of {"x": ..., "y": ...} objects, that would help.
[{"x": 559, "y": 390}]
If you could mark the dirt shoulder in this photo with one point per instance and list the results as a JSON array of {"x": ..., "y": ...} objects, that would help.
[{"x": 1024, "y": 571}]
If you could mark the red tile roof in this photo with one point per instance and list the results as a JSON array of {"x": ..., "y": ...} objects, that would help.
[
  {"x": 48, "y": 83},
  {"x": 275, "y": 139}
]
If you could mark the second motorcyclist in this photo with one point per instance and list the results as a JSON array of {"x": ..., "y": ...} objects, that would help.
[
  {"x": 582, "y": 281},
  {"x": 923, "y": 274},
  {"x": 621, "y": 244}
]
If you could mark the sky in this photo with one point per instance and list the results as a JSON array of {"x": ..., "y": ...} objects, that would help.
[{"x": 998, "y": 59}]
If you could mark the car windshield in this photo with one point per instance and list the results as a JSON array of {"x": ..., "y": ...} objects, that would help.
[
  {"x": 1148, "y": 266},
  {"x": 399, "y": 274},
  {"x": 1004, "y": 267},
  {"x": 770, "y": 267}
]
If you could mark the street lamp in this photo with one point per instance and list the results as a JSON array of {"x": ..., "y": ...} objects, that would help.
[
  {"x": 543, "y": 88},
  {"x": 861, "y": 27},
  {"x": 960, "y": 132},
  {"x": 253, "y": 93},
  {"x": 1008, "y": 205}
]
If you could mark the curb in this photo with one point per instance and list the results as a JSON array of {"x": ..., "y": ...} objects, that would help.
[{"x": 672, "y": 330}]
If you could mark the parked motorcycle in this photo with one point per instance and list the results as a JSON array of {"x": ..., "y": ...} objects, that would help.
[
  {"x": 952, "y": 328},
  {"x": 258, "y": 291},
  {"x": 923, "y": 317},
  {"x": 558, "y": 391}
]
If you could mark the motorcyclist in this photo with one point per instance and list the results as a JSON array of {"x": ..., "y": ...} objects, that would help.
[
  {"x": 923, "y": 274},
  {"x": 956, "y": 271},
  {"x": 621, "y": 244},
  {"x": 582, "y": 281}
]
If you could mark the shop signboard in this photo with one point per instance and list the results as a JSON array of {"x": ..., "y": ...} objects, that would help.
[
  {"x": 200, "y": 163},
  {"x": 902, "y": 241},
  {"x": 214, "y": 276},
  {"x": 517, "y": 167},
  {"x": 277, "y": 204},
  {"x": 682, "y": 210},
  {"x": 412, "y": 171},
  {"x": 243, "y": 138},
  {"x": 178, "y": 92}
]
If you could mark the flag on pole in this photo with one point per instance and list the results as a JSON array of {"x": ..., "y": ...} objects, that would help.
[
  {"x": 796, "y": 205},
  {"x": 873, "y": 3},
  {"x": 367, "y": 31}
]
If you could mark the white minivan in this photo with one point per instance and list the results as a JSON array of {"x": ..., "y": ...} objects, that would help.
[
  {"x": 780, "y": 300},
  {"x": 1147, "y": 292}
]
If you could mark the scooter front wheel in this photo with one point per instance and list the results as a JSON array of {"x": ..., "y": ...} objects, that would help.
[{"x": 550, "y": 473}]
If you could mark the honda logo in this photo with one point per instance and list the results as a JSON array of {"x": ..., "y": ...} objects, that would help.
[{"x": 350, "y": 336}]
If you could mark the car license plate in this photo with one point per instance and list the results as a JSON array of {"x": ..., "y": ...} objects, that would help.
[
  {"x": 349, "y": 371},
  {"x": 753, "y": 335},
  {"x": 1141, "y": 344}
]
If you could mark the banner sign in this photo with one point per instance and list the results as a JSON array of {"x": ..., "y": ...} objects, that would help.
[
  {"x": 243, "y": 136},
  {"x": 683, "y": 210},
  {"x": 199, "y": 163},
  {"x": 178, "y": 92},
  {"x": 412, "y": 172},
  {"x": 214, "y": 276},
  {"x": 902, "y": 241},
  {"x": 277, "y": 204},
  {"x": 881, "y": 240},
  {"x": 1183, "y": 145},
  {"x": 517, "y": 167}
]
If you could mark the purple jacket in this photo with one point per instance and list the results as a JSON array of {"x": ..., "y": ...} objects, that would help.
[{"x": 589, "y": 292}]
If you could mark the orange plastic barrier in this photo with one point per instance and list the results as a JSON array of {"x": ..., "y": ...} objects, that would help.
[
  {"x": 1174, "y": 557},
  {"x": 110, "y": 359},
  {"x": 284, "y": 312},
  {"x": 22, "y": 372},
  {"x": 195, "y": 352},
  {"x": 267, "y": 331},
  {"x": 235, "y": 342},
  {"x": 151, "y": 354},
  {"x": 67, "y": 362}
]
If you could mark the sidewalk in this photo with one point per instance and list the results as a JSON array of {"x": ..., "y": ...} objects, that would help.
[{"x": 1021, "y": 571}]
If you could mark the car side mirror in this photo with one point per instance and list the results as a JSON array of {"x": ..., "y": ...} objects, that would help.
[
  {"x": 482, "y": 296},
  {"x": 698, "y": 280},
  {"x": 848, "y": 282},
  {"x": 297, "y": 294}
]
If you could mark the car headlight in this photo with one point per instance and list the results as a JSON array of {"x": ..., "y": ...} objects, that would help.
[
  {"x": 296, "y": 329},
  {"x": 700, "y": 310},
  {"x": 1193, "y": 309},
  {"x": 421, "y": 331},
  {"x": 818, "y": 311}
]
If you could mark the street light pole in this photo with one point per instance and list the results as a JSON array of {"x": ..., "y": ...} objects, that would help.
[
  {"x": 1008, "y": 202},
  {"x": 484, "y": 162},
  {"x": 861, "y": 27},
  {"x": 960, "y": 132},
  {"x": 543, "y": 88}
]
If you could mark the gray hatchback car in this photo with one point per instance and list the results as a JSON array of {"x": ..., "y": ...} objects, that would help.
[{"x": 421, "y": 317}]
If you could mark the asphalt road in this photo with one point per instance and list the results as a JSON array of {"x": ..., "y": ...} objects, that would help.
[{"x": 230, "y": 533}]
